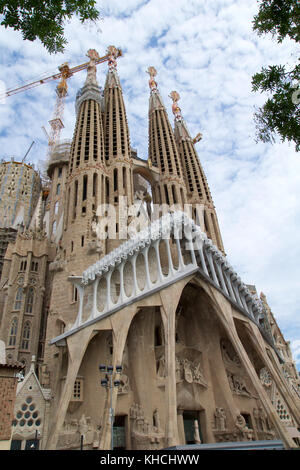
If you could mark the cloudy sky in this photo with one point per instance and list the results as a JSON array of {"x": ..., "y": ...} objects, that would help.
[{"x": 207, "y": 52}]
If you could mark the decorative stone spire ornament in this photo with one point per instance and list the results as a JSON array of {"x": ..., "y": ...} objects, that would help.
[
  {"x": 152, "y": 83},
  {"x": 91, "y": 69},
  {"x": 112, "y": 79},
  {"x": 175, "y": 97},
  {"x": 114, "y": 54}
]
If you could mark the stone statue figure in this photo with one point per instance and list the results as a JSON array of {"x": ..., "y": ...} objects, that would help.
[
  {"x": 156, "y": 420},
  {"x": 161, "y": 369},
  {"x": 220, "y": 419},
  {"x": 241, "y": 423}
]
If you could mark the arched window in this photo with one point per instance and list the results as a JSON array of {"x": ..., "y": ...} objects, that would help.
[
  {"x": 26, "y": 335},
  {"x": 29, "y": 300},
  {"x": 58, "y": 189},
  {"x": 13, "y": 332},
  {"x": 18, "y": 300}
]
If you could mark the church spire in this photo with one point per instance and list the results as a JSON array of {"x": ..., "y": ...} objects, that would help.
[
  {"x": 84, "y": 187},
  {"x": 163, "y": 152},
  {"x": 88, "y": 140},
  {"x": 117, "y": 140},
  {"x": 119, "y": 184},
  {"x": 198, "y": 192}
]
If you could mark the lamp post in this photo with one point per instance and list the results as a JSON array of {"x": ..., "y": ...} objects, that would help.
[{"x": 109, "y": 382}]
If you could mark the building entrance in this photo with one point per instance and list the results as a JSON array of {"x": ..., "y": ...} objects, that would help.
[
  {"x": 119, "y": 433},
  {"x": 191, "y": 429}
]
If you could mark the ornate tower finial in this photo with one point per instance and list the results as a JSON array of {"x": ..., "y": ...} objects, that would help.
[
  {"x": 174, "y": 95},
  {"x": 114, "y": 54},
  {"x": 91, "y": 69},
  {"x": 152, "y": 83}
]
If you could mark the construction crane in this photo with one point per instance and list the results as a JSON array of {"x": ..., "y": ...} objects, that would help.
[{"x": 65, "y": 72}]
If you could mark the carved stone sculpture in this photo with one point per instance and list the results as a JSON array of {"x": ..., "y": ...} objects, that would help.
[
  {"x": 144, "y": 435},
  {"x": 220, "y": 419},
  {"x": 189, "y": 371},
  {"x": 229, "y": 354},
  {"x": 238, "y": 385},
  {"x": 124, "y": 384}
]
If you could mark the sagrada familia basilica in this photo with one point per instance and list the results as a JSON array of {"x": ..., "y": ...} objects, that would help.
[{"x": 118, "y": 299}]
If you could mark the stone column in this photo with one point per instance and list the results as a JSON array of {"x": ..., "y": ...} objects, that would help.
[
  {"x": 170, "y": 298},
  {"x": 77, "y": 345}
]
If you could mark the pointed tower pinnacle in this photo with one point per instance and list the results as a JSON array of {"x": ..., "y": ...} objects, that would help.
[
  {"x": 198, "y": 192},
  {"x": 163, "y": 152},
  {"x": 87, "y": 170},
  {"x": 119, "y": 184}
]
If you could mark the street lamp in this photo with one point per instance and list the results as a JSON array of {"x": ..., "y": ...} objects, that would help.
[{"x": 109, "y": 382}]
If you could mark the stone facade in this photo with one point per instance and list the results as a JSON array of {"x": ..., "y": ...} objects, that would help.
[
  {"x": 8, "y": 385},
  {"x": 203, "y": 359}
]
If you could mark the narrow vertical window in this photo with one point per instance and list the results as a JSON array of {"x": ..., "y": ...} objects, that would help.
[
  {"x": 75, "y": 198},
  {"x": 115, "y": 179},
  {"x": 13, "y": 332},
  {"x": 167, "y": 195},
  {"x": 107, "y": 190},
  {"x": 26, "y": 335},
  {"x": 174, "y": 195},
  {"x": 58, "y": 189},
  {"x": 124, "y": 179},
  {"x": 95, "y": 184},
  {"x": 29, "y": 301},
  {"x": 18, "y": 299},
  {"x": 84, "y": 188}
]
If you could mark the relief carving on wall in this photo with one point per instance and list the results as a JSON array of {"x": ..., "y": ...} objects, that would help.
[
  {"x": 291, "y": 378},
  {"x": 124, "y": 384},
  {"x": 230, "y": 357},
  {"x": 234, "y": 370},
  {"x": 262, "y": 424},
  {"x": 238, "y": 385},
  {"x": 145, "y": 434},
  {"x": 70, "y": 437},
  {"x": 265, "y": 377},
  {"x": 186, "y": 370}
]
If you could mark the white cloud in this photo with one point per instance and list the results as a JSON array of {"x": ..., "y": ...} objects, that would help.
[{"x": 208, "y": 52}]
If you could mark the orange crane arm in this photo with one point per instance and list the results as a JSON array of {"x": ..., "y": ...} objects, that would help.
[{"x": 65, "y": 72}]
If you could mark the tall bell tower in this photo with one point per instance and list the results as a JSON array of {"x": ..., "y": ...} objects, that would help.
[
  {"x": 198, "y": 192},
  {"x": 163, "y": 152}
]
